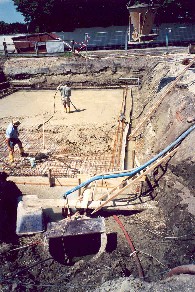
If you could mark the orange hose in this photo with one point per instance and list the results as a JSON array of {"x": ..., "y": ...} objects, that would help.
[
  {"x": 137, "y": 261},
  {"x": 185, "y": 269}
]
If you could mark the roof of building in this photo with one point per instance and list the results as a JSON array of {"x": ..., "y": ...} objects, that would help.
[{"x": 36, "y": 35}]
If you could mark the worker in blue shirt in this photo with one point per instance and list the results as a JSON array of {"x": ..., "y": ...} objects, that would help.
[{"x": 12, "y": 139}]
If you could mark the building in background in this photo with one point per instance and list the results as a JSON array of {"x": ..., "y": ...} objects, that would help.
[{"x": 38, "y": 43}]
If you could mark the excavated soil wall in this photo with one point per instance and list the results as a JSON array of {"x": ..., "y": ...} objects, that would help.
[{"x": 50, "y": 72}]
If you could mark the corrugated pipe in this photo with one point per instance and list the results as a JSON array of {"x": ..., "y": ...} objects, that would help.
[
  {"x": 185, "y": 269},
  {"x": 136, "y": 170},
  {"x": 137, "y": 261}
]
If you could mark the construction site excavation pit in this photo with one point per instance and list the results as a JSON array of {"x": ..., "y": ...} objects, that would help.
[
  {"x": 79, "y": 142},
  {"x": 64, "y": 149},
  {"x": 148, "y": 212}
]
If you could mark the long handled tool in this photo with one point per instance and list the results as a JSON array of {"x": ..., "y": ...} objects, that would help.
[
  {"x": 39, "y": 126},
  {"x": 54, "y": 110},
  {"x": 74, "y": 106},
  {"x": 54, "y": 105}
]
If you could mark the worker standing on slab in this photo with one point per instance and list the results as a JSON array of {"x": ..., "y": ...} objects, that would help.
[
  {"x": 65, "y": 94},
  {"x": 12, "y": 139}
]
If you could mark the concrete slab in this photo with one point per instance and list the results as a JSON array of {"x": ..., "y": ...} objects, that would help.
[{"x": 29, "y": 220}]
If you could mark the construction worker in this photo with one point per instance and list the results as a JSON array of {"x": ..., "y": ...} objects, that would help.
[
  {"x": 12, "y": 139},
  {"x": 65, "y": 94}
]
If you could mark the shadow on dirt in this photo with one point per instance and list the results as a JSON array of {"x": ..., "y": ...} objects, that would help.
[
  {"x": 164, "y": 82},
  {"x": 70, "y": 249},
  {"x": 77, "y": 110}
]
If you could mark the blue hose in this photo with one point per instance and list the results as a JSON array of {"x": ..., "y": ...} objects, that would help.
[{"x": 136, "y": 170}]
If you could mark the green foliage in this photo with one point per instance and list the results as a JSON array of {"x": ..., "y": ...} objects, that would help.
[
  {"x": 58, "y": 15},
  {"x": 12, "y": 28},
  {"x": 38, "y": 14},
  {"x": 66, "y": 15},
  {"x": 67, "y": 55}
]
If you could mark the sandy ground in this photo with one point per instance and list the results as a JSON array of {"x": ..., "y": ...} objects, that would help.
[
  {"x": 96, "y": 116},
  {"x": 86, "y": 132},
  {"x": 32, "y": 107}
]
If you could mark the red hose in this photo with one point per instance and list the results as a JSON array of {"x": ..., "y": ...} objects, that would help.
[
  {"x": 137, "y": 261},
  {"x": 185, "y": 269}
]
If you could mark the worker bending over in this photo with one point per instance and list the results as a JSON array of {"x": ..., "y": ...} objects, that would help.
[
  {"x": 12, "y": 139},
  {"x": 65, "y": 94}
]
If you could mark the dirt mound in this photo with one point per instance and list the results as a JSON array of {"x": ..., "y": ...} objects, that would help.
[{"x": 178, "y": 283}]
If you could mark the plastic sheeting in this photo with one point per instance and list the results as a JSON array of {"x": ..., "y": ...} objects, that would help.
[{"x": 54, "y": 47}]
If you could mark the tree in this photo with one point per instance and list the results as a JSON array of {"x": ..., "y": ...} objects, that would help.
[
  {"x": 3, "y": 27},
  {"x": 66, "y": 15},
  {"x": 36, "y": 13},
  {"x": 10, "y": 28},
  {"x": 55, "y": 15}
]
